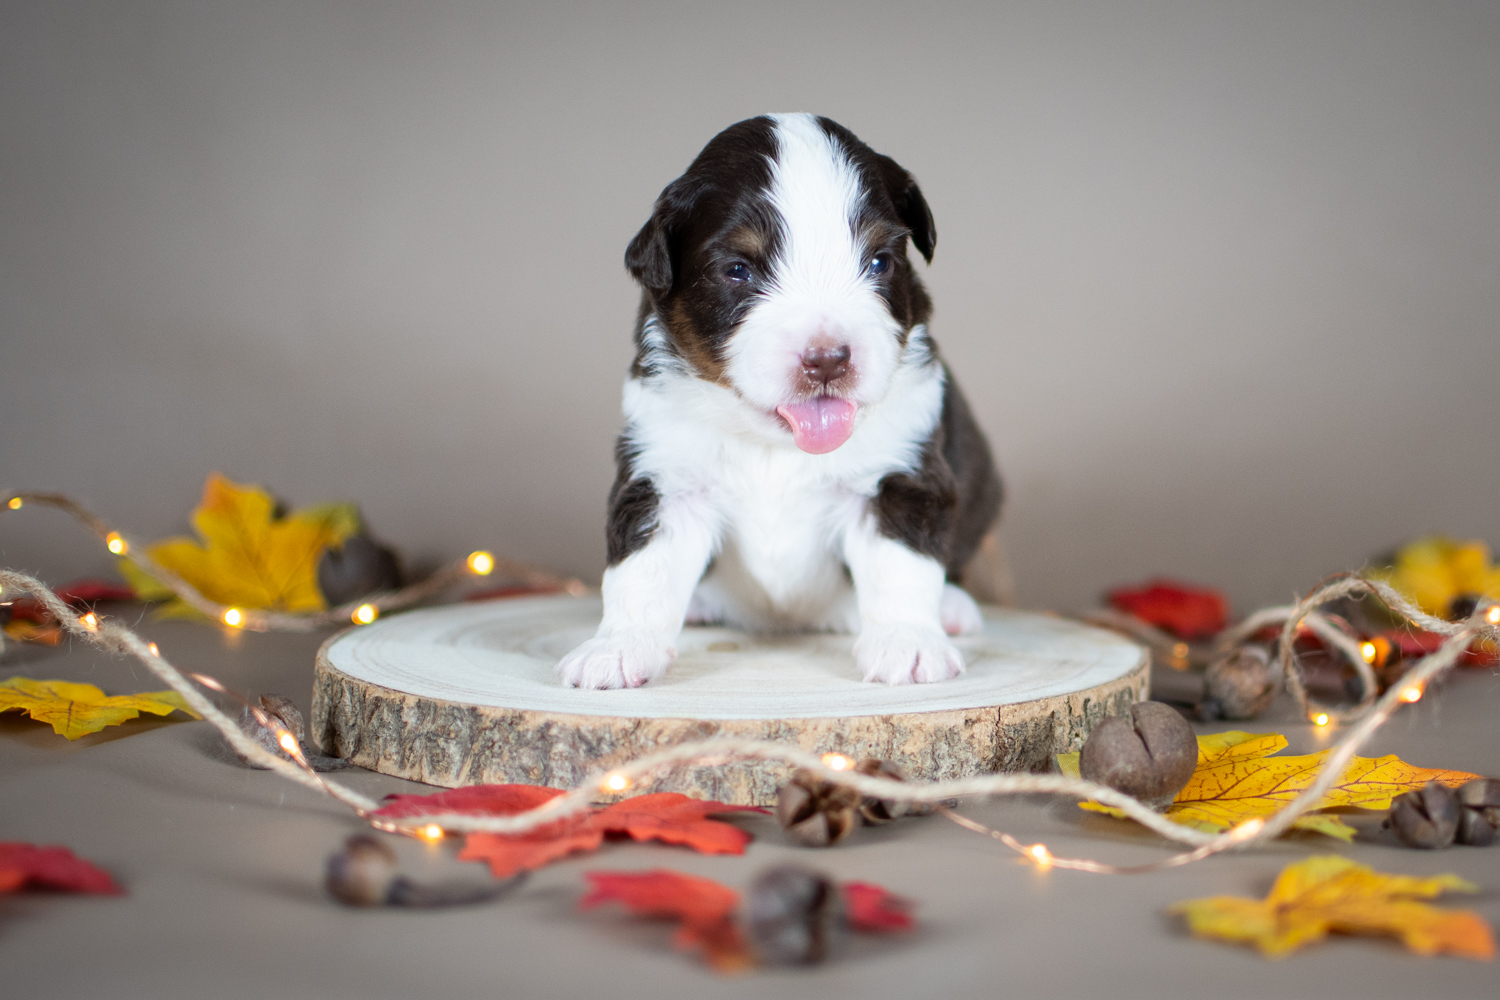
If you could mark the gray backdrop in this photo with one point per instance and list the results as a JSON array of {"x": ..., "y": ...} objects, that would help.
[{"x": 1221, "y": 279}]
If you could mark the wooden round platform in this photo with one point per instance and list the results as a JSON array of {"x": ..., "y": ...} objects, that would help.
[{"x": 467, "y": 695}]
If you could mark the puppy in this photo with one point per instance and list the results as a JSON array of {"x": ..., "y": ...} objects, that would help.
[{"x": 795, "y": 455}]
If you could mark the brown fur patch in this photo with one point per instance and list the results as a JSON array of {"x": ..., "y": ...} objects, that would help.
[{"x": 693, "y": 348}]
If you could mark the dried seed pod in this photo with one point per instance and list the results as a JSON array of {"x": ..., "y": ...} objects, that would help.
[
  {"x": 792, "y": 916},
  {"x": 1241, "y": 684},
  {"x": 359, "y": 567},
  {"x": 279, "y": 713},
  {"x": 876, "y": 812},
  {"x": 1427, "y": 817},
  {"x": 362, "y": 873},
  {"x": 1150, "y": 754},
  {"x": 815, "y": 812},
  {"x": 1479, "y": 812}
]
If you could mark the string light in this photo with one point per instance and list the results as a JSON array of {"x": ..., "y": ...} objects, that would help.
[
  {"x": 616, "y": 782},
  {"x": 1493, "y": 615},
  {"x": 1321, "y": 719},
  {"x": 155, "y": 649},
  {"x": 288, "y": 742},
  {"x": 1040, "y": 854},
  {"x": 234, "y": 617},
  {"x": 1368, "y": 652},
  {"x": 1411, "y": 695},
  {"x": 15, "y": 503},
  {"x": 90, "y": 621},
  {"x": 116, "y": 544},
  {"x": 837, "y": 762},
  {"x": 1247, "y": 829},
  {"x": 432, "y": 833},
  {"x": 481, "y": 563},
  {"x": 365, "y": 614}
]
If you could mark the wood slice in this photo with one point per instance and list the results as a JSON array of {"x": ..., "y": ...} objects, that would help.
[{"x": 467, "y": 695}]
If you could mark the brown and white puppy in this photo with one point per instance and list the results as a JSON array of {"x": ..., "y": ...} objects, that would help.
[{"x": 795, "y": 455}]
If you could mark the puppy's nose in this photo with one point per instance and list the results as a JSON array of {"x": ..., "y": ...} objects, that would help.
[{"x": 824, "y": 364}]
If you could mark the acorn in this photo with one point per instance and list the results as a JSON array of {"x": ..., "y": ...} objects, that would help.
[
  {"x": 359, "y": 567},
  {"x": 1426, "y": 818},
  {"x": 1241, "y": 684},
  {"x": 364, "y": 874},
  {"x": 1479, "y": 812},
  {"x": 1149, "y": 754},
  {"x": 792, "y": 916},
  {"x": 815, "y": 812},
  {"x": 877, "y": 812}
]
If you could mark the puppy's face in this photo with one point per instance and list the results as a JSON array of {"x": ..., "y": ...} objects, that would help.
[{"x": 778, "y": 268}]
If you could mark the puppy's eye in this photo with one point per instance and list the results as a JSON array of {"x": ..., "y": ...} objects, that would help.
[
  {"x": 738, "y": 271},
  {"x": 879, "y": 264}
]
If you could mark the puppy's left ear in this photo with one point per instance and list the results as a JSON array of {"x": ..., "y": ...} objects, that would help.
[{"x": 911, "y": 207}]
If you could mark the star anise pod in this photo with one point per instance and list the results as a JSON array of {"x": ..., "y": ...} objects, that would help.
[
  {"x": 815, "y": 812},
  {"x": 876, "y": 812}
]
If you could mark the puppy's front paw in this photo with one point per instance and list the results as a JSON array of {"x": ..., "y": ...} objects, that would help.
[
  {"x": 959, "y": 613},
  {"x": 627, "y": 659},
  {"x": 906, "y": 654}
]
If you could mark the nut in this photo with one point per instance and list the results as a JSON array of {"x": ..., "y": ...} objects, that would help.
[
  {"x": 815, "y": 812},
  {"x": 876, "y": 812},
  {"x": 1241, "y": 684},
  {"x": 362, "y": 873},
  {"x": 1479, "y": 812},
  {"x": 792, "y": 916},
  {"x": 1149, "y": 754},
  {"x": 1426, "y": 818}
]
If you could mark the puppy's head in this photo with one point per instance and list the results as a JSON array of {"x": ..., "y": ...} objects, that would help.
[{"x": 777, "y": 267}]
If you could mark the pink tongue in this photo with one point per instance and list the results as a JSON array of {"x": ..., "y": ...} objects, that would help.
[{"x": 819, "y": 425}]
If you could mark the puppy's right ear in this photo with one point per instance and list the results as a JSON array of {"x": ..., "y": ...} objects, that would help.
[{"x": 652, "y": 256}]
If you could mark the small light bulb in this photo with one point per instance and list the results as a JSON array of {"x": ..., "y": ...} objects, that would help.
[
  {"x": 616, "y": 783},
  {"x": 1411, "y": 695},
  {"x": 234, "y": 617},
  {"x": 365, "y": 614},
  {"x": 1247, "y": 829},
  {"x": 288, "y": 742},
  {"x": 1180, "y": 651},
  {"x": 837, "y": 762},
  {"x": 90, "y": 621},
  {"x": 1321, "y": 719},
  {"x": 1040, "y": 855},
  {"x": 431, "y": 833},
  {"x": 116, "y": 544},
  {"x": 1368, "y": 651},
  {"x": 15, "y": 503},
  {"x": 155, "y": 649},
  {"x": 481, "y": 563},
  {"x": 1493, "y": 615}
]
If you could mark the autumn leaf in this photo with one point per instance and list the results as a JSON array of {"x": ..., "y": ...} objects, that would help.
[
  {"x": 665, "y": 816},
  {"x": 24, "y": 866},
  {"x": 75, "y": 710},
  {"x": 246, "y": 555},
  {"x": 703, "y": 908},
  {"x": 871, "y": 908},
  {"x": 1330, "y": 894},
  {"x": 1186, "y": 611},
  {"x": 1434, "y": 571},
  {"x": 79, "y": 594},
  {"x": 1237, "y": 779}
]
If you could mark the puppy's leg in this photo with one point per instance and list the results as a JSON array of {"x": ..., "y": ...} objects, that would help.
[
  {"x": 646, "y": 597},
  {"x": 960, "y": 614},
  {"x": 901, "y": 638}
]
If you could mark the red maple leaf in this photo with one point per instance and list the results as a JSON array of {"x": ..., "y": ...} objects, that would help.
[
  {"x": 28, "y": 866},
  {"x": 703, "y": 908},
  {"x": 1186, "y": 611},
  {"x": 664, "y": 816},
  {"x": 79, "y": 593},
  {"x": 872, "y": 909}
]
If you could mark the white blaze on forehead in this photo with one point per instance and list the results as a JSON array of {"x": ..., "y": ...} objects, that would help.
[
  {"x": 817, "y": 291},
  {"x": 817, "y": 193}
]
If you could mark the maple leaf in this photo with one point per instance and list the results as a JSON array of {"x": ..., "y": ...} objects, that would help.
[
  {"x": 1433, "y": 571},
  {"x": 1186, "y": 611},
  {"x": 1236, "y": 779},
  {"x": 872, "y": 909},
  {"x": 703, "y": 907},
  {"x": 79, "y": 593},
  {"x": 247, "y": 555},
  {"x": 75, "y": 710},
  {"x": 665, "y": 816},
  {"x": 29, "y": 866},
  {"x": 1331, "y": 894}
]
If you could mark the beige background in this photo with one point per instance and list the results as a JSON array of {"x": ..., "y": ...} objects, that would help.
[{"x": 1220, "y": 279}]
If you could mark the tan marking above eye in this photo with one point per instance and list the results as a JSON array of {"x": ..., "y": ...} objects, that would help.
[{"x": 747, "y": 241}]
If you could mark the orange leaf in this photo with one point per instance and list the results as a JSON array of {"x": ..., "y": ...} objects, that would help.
[
  {"x": 704, "y": 908},
  {"x": 676, "y": 819},
  {"x": 55, "y": 868},
  {"x": 1331, "y": 894}
]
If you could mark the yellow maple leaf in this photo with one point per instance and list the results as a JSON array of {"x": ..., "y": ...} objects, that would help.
[
  {"x": 248, "y": 556},
  {"x": 1236, "y": 779},
  {"x": 1331, "y": 894},
  {"x": 1433, "y": 571},
  {"x": 75, "y": 710}
]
